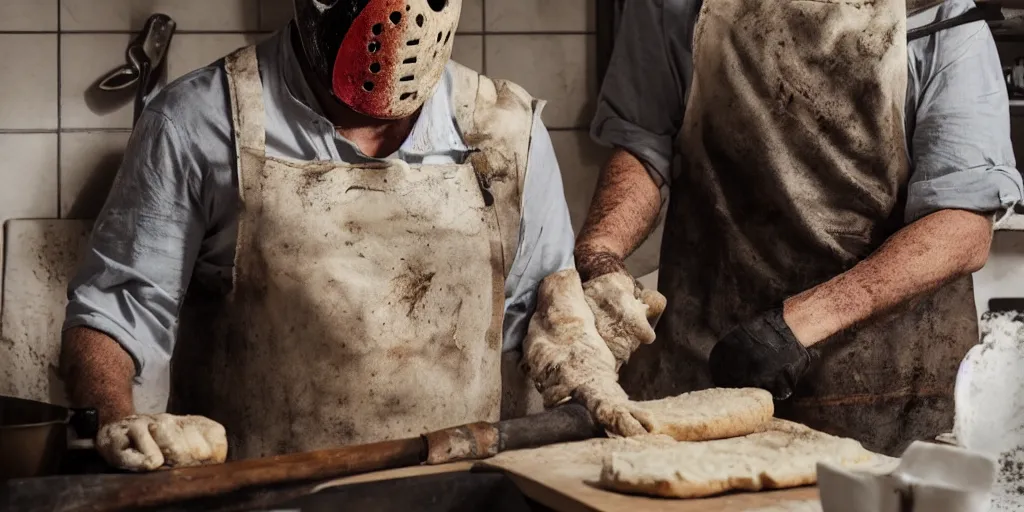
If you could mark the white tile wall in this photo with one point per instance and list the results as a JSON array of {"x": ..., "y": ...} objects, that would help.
[
  {"x": 28, "y": 81},
  {"x": 28, "y": 15},
  {"x": 558, "y": 68},
  {"x": 472, "y": 19},
  {"x": 540, "y": 16},
  {"x": 469, "y": 51},
  {"x": 189, "y": 15},
  {"x": 28, "y": 172},
  {"x": 85, "y": 59}
]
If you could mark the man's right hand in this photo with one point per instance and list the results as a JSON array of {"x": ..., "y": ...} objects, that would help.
[
  {"x": 566, "y": 357},
  {"x": 151, "y": 442},
  {"x": 611, "y": 408}
]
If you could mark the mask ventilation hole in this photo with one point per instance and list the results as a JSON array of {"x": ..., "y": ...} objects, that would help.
[
  {"x": 447, "y": 37},
  {"x": 437, "y": 5},
  {"x": 439, "y": 36},
  {"x": 408, "y": 95},
  {"x": 377, "y": 29},
  {"x": 373, "y": 47},
  {"x": 375, "y": 68},
  {"x": 408, "y": 7},
  {"x": 419, "y": 20},
  {"x": 395, "y": 17},
  {"x": 368, "y": 86},
  {"x": 410, "y": 60},
  {"x": 407, "y": 78},
  {"x": 414, "y": 42}
]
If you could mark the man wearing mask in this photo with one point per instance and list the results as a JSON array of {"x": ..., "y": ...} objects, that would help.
[
  {"x": 360, "y": 224},
  {"x": 830, "y": 186}
]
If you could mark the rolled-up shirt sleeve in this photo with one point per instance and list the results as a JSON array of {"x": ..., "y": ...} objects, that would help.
[
  {"x": 546, "y": 237},
  {"x": 143, "y": 246},
  {"x": 961, "y": 148},
  {"x": 640, "y": 107}
]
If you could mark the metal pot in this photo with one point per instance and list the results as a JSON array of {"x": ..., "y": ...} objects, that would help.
[{"x": 34, "y": 436}]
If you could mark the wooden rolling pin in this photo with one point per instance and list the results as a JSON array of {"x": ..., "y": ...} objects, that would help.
[{"x": 109, "y": 493}]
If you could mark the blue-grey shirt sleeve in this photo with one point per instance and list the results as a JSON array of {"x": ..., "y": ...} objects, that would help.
[
  {"x": 546, "y": 238},
  {"x": 143, "y": 246},
  {"x": 641, "y": 104},
  {"x": 960, "y": 145}
]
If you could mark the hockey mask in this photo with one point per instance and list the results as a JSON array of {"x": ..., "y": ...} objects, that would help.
[{"x": 382, "y": 58}]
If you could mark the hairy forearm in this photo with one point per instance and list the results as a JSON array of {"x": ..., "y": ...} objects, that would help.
[
  {"x": 622, "y": 214},
  {"x": 97, "y": 373},
  {"x": 916, "y": 260}
]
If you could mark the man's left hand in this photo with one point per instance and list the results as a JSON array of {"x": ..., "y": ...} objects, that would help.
[
  {"x": 625, "y": 314},
  {"x": 761, "y": 353}
]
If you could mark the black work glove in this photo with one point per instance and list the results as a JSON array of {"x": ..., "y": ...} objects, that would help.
[{"x": 762, "y": 353}]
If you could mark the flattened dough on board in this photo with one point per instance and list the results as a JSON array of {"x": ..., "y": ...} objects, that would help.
[
  {"x": 784, "y": 455},
  {"x": 716, "y": 413}
]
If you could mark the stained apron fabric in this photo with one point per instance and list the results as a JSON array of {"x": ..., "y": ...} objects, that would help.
[
  {"x": 795, "y": 171},
  {"x": 367, "y": 299}
]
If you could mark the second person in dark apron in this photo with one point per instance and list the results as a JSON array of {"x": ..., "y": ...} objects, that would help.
[{"x": 831, "y": 188}]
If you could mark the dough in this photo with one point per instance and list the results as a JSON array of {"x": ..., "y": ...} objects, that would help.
[
  {"x": 784, "y": 455},
  {"x": 709, "y": 414}
]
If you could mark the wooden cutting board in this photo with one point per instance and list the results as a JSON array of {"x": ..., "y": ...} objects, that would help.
[
  {"x": 561, "y": 477},
  {"x": 559, "y": 487}
]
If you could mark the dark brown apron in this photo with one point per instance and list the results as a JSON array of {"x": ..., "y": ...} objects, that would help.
[{"x": 795, "y": 170}]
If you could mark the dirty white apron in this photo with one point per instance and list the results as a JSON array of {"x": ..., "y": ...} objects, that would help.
[
  {"x": 367, "y": 299},
  {"x": 795, "y": 170}
]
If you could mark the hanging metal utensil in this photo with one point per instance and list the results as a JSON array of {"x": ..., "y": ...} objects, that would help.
[{"x": 145, "y": 61}]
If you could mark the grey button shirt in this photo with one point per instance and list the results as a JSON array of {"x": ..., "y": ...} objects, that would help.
[
  {"x": 957, "y": 110},
  {"x": 170, "y": 219}
]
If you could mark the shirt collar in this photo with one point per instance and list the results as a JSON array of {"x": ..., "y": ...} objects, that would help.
[{"x": 434, "y": 134}]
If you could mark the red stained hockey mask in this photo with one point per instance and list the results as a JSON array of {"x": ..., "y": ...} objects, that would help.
[{"x": 382, "y": 58}]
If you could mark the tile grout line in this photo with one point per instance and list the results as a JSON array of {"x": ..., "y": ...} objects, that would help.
[
  {"x": 60, "y": 108},
  {"x": 37, "y": 131},
  {"x": 483, "y": 36}
]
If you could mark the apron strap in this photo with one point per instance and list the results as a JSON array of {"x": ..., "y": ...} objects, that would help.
[
  {"x": 495, "y": 118},
  {"x": 247, "y": 115},
  {"x": 986, "y": 12}
]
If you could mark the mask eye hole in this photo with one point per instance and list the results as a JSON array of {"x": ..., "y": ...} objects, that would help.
[{"x": 437, "y": 5}]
